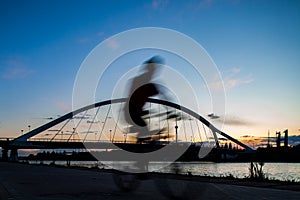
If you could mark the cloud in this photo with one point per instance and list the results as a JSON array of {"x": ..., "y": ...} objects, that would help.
[
  {"x": 232, "y": 78},
  {"x": 231, "y": 83},
  {"x": 13, "y": 73},
  {"x": 101, "y": 34},
  {"x": 206, "y": 4},
  {"x": 237, "y": 121},
  {"x": 293, "y": 140},
  {"x": 246, "y": 136},
  {"x": 159, "y": 4},
  {"x": 198, "y": 5},
  {"x": 84, "y": 40},
  {"x": 90, "y": 39},
  {"x": 112, "y": 44},
  {"x": 14, "y": 69},
  {"x": 63, "y": 105}
]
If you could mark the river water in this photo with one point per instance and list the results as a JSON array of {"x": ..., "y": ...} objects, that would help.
[{"x": 279, "y": 171}]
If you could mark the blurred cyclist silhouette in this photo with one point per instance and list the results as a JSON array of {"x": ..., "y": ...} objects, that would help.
[{"x": 142, "y": 87}]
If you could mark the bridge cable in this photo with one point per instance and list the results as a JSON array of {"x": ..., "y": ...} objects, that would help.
[
  {"x": 205, "y": 132},
  {"x": 168, "y": 125},
  {"x": 104, "y": 122},
  {"x": 126, "y": 133},
  {"x": 192, "y": 137},
  {"x": 159, "y": 120},
  {"x": 91, "y": 124},
  {"x": 176, "y": 127},
  {"x": 184, "y": 129},
  {"x": 101, "y": 122},
  {"x": 149, "y": 114},
  {"x": 199, "y": 131},
  {"x": 74, "y": 129},
  {"x": 115, "y": 129},
  {"x": 60, "y": 130}
]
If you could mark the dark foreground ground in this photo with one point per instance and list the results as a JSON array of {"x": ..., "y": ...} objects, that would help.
[{"x": 30, "y": 182}]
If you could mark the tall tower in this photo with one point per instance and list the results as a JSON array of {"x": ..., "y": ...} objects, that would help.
[
  {"x": 268, "y": 139},
  {"x": 278, "y": 139},
  {"x": 286, "y": 140}
]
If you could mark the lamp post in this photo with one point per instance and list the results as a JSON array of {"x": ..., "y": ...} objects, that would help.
[
  {"x": 29, "y": 128},
  {"x": 110, "y": 135},
  {"x": 74, "y": 131},
  {"x": 22, "y": 132}
]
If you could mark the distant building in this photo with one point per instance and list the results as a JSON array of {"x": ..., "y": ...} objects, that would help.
[
  {"x": 278, "y": 135},
  {"x": 278, "y": 138},
  {"x": 286, "y": 138}
]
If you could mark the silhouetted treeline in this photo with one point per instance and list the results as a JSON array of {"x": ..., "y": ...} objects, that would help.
[
  {"x": 46, "y": 155},
  {"x": 270, "y": 154}
]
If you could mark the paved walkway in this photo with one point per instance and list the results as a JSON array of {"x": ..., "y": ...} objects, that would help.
[{"x": 29, "y": 182}]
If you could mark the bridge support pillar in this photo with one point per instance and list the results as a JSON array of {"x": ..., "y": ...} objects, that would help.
[
  {"x": 14, "y": 155},
  {"x": 4, "y": 155}
]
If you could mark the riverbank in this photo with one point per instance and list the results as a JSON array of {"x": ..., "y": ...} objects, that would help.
[
  {"x": 229, "y": 179},
  {"x": 272, "y": 172},
  {"x": 24, "y": 181}
]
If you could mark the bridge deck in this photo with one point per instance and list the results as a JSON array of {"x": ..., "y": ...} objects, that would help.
[{"x": 79, "y": 145}]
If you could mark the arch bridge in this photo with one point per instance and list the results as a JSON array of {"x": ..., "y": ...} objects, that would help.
[{"x": 102, "y": 126}]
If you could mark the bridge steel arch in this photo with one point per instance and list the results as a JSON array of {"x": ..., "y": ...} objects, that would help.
[{"x": 70, "y": 115}]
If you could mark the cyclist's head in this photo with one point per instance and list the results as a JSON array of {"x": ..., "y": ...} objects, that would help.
[
  {"x": 156, "y": 60},
  {"x": 152, "y": 64}
]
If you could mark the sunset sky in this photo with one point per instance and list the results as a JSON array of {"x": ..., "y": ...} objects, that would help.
[{"x": 254, "y": 44}]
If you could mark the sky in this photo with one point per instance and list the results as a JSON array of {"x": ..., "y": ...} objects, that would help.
[{"x": 254, "y": 44}]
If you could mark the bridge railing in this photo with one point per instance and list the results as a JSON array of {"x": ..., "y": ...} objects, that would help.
[
  {"x": 6, "y": 138},
  {"x": 77, "y": 140}
]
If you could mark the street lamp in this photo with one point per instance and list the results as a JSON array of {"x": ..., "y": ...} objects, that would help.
[
  {"x": 73, "y": 134},
  {"x": 176, "y": 129},
  {"x": 110, "y": 135},
  {"x": 28, "y": 128}
]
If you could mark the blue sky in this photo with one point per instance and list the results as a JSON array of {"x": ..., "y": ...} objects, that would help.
[{"x": 255, "y": 44}]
